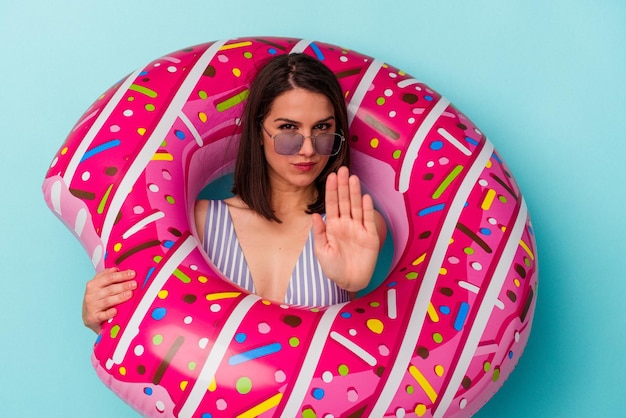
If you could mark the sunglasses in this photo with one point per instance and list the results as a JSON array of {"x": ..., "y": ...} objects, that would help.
[{"x": 290, "y": 143}]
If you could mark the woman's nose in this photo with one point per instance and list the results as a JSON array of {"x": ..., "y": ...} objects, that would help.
[{"x": 307, "y": 147}]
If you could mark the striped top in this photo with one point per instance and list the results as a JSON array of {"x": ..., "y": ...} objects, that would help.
[{"x": 307, "y": 287}]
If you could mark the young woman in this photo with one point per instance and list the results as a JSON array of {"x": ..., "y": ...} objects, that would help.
[{"x": 291, "y": 172}]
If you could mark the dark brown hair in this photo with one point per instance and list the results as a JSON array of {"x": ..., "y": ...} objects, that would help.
[{"x": 279, "y": 75}]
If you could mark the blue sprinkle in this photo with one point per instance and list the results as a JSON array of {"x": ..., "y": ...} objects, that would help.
[
  {"x": 436, "y": 145},
  {"x": 207, "y": 415},
  {"x": 98, "y": 338},
  {"x": 392, "y": 284},
  {"x": 158, "y": 313},
  {"x": 318, "y": 393},
  {"x": 179, "y": 134},
  {"x": 471, "y": 140},
  {"x": 147, "y": 391},
  {"x": 346, "y": 315},
  {"x": 168, "y": 243},
  {"x": 241, "y": 337},
  {"x": 444, "y": 310},
  {"x": 318, "y": 52},
  {"x": 510, "y": 354},
  {"x": 100, "y": 148},
  {"x": 495, "y": 157},
  {"x": 429, "y": 98},
  {"x": 272, "y": 51},
  {"x": 431, "y": 209},
  {"x": 485, "y": 231},
  {"x": 461, "y": 316},
  {"x": 144, "y": 72},
  {"x": 145, "y": 282}
]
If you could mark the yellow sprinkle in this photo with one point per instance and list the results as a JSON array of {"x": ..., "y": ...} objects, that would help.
[
  {"x": 262, "y": 407},
  {"x": 420, "y": 259},
  {"x": 222, "y": 295},
  {"x": 420, "y": 409},
  {"x": 375, "y": 325},
  {"x": 517, "y": 283},
  {"x": 213, "y": 385},
  {"x": 183, "y": 385},
  {"x": 163, "y": 294},
  {"x": 202, "y": 116},
  {"x": 439, "y": 370},
  {"x": 374, "y": 142},
  {"x": 489, "y": 164},
  {"x": 443, "y": 271},
  {"x": 432, "y": 313},
  {"x": 486, "y": 205},
  {"x": 419, "y": 377},
  {"x": 236, "y": 72},
  {"x": 64, "y": 151},
  {"x": 163, "y": 156},
  {"x": 117, "y": 247},
  {"x": 123, "y": 371},
  {"x": 527, "y": 249},
  {"x": 141, "y": 131},
  {"x": 202, "y": 279},
  {"x": 235, "y": 45}
]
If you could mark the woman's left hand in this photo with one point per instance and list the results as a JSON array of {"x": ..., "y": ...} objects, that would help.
[{"x": 348, "y": 243}]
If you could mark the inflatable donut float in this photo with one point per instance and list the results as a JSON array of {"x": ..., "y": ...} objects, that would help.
[{"x": 437, "y": 337}]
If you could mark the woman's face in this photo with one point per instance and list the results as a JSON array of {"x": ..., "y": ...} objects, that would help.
[{"x": 307, "y": 113}]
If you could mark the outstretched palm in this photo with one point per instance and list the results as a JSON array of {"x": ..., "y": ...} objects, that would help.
[{"x": 347, "y": 245}]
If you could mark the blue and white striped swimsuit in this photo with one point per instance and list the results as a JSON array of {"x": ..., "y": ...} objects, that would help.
[{"x": 307, "y": 287}]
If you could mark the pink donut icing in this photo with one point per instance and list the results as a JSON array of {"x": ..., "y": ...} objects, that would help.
[{"x": 437, "y": 338}]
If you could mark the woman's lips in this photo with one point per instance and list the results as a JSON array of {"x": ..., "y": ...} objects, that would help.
[{"x": 304, "y": 166}]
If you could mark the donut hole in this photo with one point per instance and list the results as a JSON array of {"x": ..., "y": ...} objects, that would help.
[{"x": 220, "y": 188}]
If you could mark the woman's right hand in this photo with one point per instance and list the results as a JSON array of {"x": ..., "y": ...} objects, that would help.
[{"x": 103, "y": 293}]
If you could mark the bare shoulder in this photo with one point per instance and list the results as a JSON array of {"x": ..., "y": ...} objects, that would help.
[{"x": 200, "y": 210}]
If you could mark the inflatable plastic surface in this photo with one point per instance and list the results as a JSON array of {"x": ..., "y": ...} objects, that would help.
[{"x": 437, "y": 338}]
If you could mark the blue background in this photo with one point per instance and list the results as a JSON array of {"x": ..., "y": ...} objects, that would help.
[{"x": 545, "y": 80}]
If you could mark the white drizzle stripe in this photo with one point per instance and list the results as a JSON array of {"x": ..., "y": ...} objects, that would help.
[
  {"x": 392, "y": 309},
  {"x": 292, "y": 408},
  {"x": 484, "y": 311},
  {"x": 418, "y": 314},
  {"x": 475, "y": 289},
  {"x": 55, "y": 196},
  {"x": 416, "y": 143},
  {"x": 361, "y": 90},
  {"x": 142, "y": 223},
  {"x": 451, "y": 139},
  {"x": 97, "y": 125},
  {"x": 215, "y": 357},
  {"x": 468, "y": 286},
  {"x": 156, "y": 138},
  {"x": 192, "y": 129},
  {"x": 408, "y": 82},
  {"x": 132, "y": 328},
  {"x": 300, "y": 46},
  {"x": 354, "y": 348}
]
